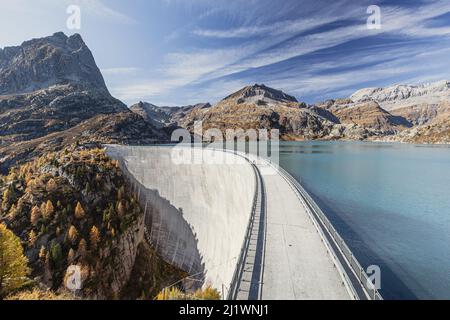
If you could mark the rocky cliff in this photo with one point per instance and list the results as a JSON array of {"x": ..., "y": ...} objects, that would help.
[
  {"x": 50, "y": 84},
  {"x": 51, "y": 88},
  {"x": 425, "y": 107},
  {"x": 46, "y": 62},
  {"x": 399, "y": 96}
]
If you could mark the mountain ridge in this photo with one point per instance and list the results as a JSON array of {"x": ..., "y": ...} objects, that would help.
[
  {"x": 400, "y": 95},
  {"x": 360, "y": 118},
  {"x": 260, "y": 94}
]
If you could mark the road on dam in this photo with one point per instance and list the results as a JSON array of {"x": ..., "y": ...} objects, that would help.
[{"x": 238, "y": 224}]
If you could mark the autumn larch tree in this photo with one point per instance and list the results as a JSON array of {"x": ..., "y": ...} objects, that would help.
[
  {"x": 12, "y": 212},
  {"x": 48, "y": 210},
  {"x": 94, "y": 236},
  {"x": 73, "y": 234},
  {"x": 79, "y": 211},
  {"x": 35, "y": 215},
  {"x": 121, "y": 210},
  {"x": 32, "y": 238},
  {"x": 51, "y": 185},
  {"x": 71, "y": 256},
  {"x": 13, "y": 263},
  {"x": 82, "y": 248},
  {"x": 42, "y": 253}
]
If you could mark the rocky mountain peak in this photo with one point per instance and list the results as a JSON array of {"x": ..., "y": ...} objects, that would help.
[
  {"x": 44, "y": 62},
  {"x": 399, "y": 95},
  {"x": 261, "y": 95}
]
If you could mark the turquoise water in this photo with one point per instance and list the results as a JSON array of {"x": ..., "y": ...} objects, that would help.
[{"x": 390, "y": 202}]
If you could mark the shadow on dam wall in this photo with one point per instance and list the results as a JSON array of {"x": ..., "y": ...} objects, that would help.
[
  {"x": 196, "y": 214},
  {"x": 167, "y": 230}
]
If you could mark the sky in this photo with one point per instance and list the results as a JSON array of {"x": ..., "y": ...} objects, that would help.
[{"x": 180, "y": 52}]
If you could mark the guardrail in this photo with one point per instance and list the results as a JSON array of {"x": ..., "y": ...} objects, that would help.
[
  {"x": 371, "y": 292},
  {"x": 234, "y": 285}
]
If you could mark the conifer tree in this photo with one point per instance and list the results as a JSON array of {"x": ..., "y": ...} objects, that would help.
[
  {"x": 13, "y": 263},
  {"x": 51, "y": 185},
  {"x": 12, "y": 212},
  {"x": 79, "y": 211},
  {"x": 71, "y": 256},
  {"x": 35, "y": 215},
  {"x": 32, "y": 238},
  {"x": 49, "y": 210},
  {"x": 73, "y": 234},
  {"x": 42, "y": 253},
  {"x": 82, "y": 248},
  {"x": 94, "y": 236},
  {"x": 56, "y": 254},
  {"x": 121, "y": 210}
]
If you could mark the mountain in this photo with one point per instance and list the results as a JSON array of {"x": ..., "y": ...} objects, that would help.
[
  {"x": 363, "y": 116},
  {"x": 162, "y": 117},
  {"x": 399, "y": 96},
  {"x": 118, "y": 128},
  {"x": 157, "y": 116},
  {"x": 74, "y": 207},
  {"x": 261, "y": 95},
  {"x": 64, "y": 199},
  {"x": 425, "y": 107},
  {"x": 368, "y": 115},
  {"x": 261, "y": 107},
  {"x": 51, "y": 85},
  {"x": 46, "y": 62}
]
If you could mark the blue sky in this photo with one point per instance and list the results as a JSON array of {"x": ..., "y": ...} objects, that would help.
[{"x": 178, "y": 52}]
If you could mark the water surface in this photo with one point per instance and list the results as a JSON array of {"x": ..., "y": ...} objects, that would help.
[{"x": 390, "y": 202}]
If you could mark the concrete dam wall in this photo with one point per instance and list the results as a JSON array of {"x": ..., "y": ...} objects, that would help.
[{"x": 194, "y": 219}]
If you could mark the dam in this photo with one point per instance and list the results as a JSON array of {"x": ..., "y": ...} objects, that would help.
[{"x": 240, "y": 224}]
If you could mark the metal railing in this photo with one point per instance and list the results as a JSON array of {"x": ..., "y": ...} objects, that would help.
[
  {"x": 234, "y": 285},
  {"x": 316, "y": 213}
]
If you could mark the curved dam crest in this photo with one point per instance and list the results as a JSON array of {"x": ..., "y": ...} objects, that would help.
[
  {"x": 194, "y": 219},
  {"x": 241, "y": 224}
]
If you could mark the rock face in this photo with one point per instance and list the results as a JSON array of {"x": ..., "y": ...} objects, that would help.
[
  {"x": 45, "y": 62},
  {"x": 162, "y": 117},
  {"x": 50, "y": 84},
  {"x": 157, "y": 116},
  {"x": 261, "y": 95},
  {"x": 260, "y": 107},
  {"x": 425, "y": 107},
  {"x": 80, "y": 211},
  {"x": 32, "y": 115},
  {"x": 431, "y": 123},
  {"x": 51, "y": 91},
  {"x": 368, "y": 115},
  {"x": 118, "y": 128},
  {"x": 399, "y": 96},
  {"x": 126, "y": 247}
]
